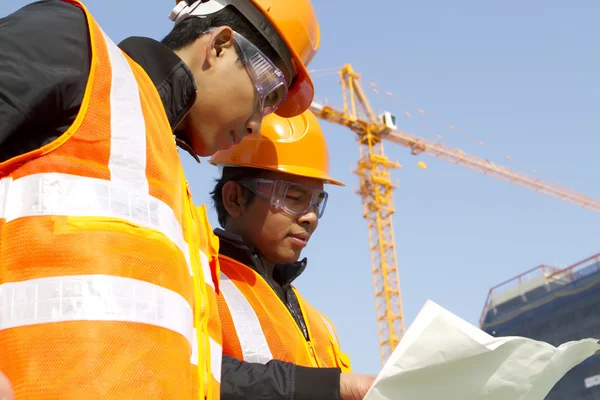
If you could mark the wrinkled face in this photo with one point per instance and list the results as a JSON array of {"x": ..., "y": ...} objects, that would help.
[{"x": 278, "y": 235}]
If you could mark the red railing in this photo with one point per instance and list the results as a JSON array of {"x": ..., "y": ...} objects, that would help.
[
  {"x": 571, "y": 271},
  {"x": 550, "y": 273},
  {"x": 514, "y": 282}
]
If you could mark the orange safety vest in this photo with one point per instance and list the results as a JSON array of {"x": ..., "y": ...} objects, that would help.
[
  {"x": 104, "y": 289},
  {"x": 258, "y": 327}
]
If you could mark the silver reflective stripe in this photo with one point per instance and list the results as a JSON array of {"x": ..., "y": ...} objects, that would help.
[
  {"x": 194, "y": 356},
  {"x": 216, "y": 356},
  {"x": 127, "y": 162},
  {"x": 4, "y": 185},
  {"x": 93, "y": 298},
  {"x": 330, "y": 329},
  {"x": 247, "y": 326},
  {"x": 78, "y": 196},
  {"x": 206, "y": 269}
]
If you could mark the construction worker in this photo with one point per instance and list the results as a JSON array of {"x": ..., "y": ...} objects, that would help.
[
  {"x": 106, "y": 288},
  {"x": 269, "y": 200}
]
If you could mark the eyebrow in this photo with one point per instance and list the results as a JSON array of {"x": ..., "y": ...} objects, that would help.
[{"x": 299, "y": 188}]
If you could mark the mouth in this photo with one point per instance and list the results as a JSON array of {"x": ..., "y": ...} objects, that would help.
[{"x": 300, "y": 239}]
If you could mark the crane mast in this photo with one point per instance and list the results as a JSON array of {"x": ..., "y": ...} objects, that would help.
[
  {"x": 378, "y": 207},
  {"x": 376, "y": 190}
]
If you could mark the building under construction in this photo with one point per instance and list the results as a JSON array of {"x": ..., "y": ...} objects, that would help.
[{"x": 556, "y": 306}]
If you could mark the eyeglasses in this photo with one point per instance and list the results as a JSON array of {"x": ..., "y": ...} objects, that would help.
[
  {"x": 268, "y": 80},
  {"x": 293, "y": 198}
]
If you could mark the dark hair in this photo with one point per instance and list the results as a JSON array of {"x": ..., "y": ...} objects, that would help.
[
  {"x": 235, "y": 174},
  {"x": 188, "y": 30}
]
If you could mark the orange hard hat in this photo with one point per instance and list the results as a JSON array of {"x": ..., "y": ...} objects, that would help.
[
  {"x": 294, "y": 145},
  {"x": 296, "y": 38}
]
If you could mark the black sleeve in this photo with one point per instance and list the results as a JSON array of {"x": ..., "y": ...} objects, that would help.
[
  {"x": 44, "y": 66},
  {"x": 277, "y": 380}
]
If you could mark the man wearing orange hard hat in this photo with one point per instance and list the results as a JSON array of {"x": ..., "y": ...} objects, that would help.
[
  {"x": 269, "y": 200},
  {"x": 106, "y": 263}
]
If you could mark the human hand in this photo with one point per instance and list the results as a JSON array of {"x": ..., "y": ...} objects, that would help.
[
  {"x": 6, "y": 390},
  {"x": 355, "y": 386}
]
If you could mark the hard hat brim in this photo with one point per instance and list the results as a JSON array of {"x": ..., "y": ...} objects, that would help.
[
  {"x": 304, "y": 172},
  {"x": 310, "y": 173},
  {"x": 302, "y": 90}
]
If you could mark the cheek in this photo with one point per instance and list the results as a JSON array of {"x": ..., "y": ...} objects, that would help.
[
  {"x": 228, "y": 95},
  {"x": 242, "y": 97},
  {"x": 273, "y": 229},
  {"x": 278, "y": 241},
  {"x": 224, "y": 105},
  {"x": 202, "y": 132}
]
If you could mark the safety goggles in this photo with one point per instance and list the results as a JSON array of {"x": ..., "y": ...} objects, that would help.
[
  {"x": 293, "y": 198},
  {"x": 268, "y": 80}
]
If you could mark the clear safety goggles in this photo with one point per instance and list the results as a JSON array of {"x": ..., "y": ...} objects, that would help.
[
  {"x": 293, "y": 198},
  {"x": 268, "y": 80}
]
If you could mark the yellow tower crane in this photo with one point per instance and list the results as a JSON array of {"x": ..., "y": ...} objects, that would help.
[{"x": 376, "y": 191}]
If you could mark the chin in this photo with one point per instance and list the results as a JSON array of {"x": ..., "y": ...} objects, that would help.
[
  {"x": 207, "y": 151},
  {"x": 203, "y": 149},
  {"x": 201, "y": 144},
  {"x": 204, "y": 153},
  {"x": 287, "y": 257}
]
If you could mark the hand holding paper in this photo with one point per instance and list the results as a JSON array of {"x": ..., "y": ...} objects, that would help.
[
  {"x": 442, "y": 357},
  {"x": 354, "y": 386}
]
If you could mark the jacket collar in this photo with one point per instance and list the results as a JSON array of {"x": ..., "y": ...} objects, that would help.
[
  {"x": 232, "y": 246},
  {"x": 171, "y": 76}
]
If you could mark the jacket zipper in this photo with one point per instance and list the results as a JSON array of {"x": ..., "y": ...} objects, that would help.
[
  {"x": 290, "y": 313},
  {"x": 311, "y": 348}
]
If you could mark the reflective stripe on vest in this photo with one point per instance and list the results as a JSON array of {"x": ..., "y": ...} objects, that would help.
[
  {"x": 252, "y": 339},
  {"x": 258, "y": 327},
  {"x": 79, "y": 196},
  {"x": 208, "y": 255},
  {"x": 93, "y": 298},
  {"x": 215, "y": 355},
  {"x": 99, "y": 257},
  {"x": 329, "y": 328}
]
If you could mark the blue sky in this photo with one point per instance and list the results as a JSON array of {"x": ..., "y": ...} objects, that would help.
[{"x": 522, "y": 77}]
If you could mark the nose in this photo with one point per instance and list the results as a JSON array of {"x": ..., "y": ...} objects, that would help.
[
  {"x": 253, "y": 125},
  {"x": 309, "y": 220}
]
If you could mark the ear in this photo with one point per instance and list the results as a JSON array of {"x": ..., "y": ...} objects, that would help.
[
  {"x": 221, "y": 39},
  {"x": 234, "y": 199}
]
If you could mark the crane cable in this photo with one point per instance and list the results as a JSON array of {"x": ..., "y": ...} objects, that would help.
[{"x": 420, "y": 112}]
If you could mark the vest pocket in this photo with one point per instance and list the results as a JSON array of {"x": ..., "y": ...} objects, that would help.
[{"x": 342, "y": 361}]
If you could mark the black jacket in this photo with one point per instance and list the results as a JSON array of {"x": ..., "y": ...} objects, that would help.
[
  {"x": 44, "y": 72},
  {"x": 310, "y": 383},
  {"x": 44, "y": 67},
  {"x": 283, "y": 275}
]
